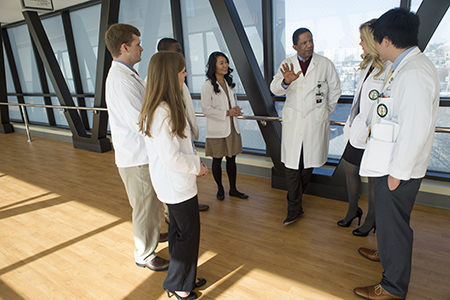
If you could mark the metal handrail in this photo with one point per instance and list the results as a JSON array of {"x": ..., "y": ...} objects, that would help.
[{"x": 262, "y": 119}]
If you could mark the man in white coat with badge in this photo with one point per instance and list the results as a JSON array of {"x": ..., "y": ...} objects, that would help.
[
  {"x": 124, "y": 96},
  {"x": 399, "y": 147},
  {"x": 312, "y": 88}
]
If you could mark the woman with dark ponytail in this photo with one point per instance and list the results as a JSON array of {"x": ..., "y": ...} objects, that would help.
[{"x": 219, "y": 104}]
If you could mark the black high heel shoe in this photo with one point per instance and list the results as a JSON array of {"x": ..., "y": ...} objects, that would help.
[
  {"x": 358, "y": 215},
  {"x": 191, "y": 296},
  {"x": 358, "y": 232}
]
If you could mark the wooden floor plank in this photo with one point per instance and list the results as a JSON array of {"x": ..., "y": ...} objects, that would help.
[{"x": 66, "y": 233}]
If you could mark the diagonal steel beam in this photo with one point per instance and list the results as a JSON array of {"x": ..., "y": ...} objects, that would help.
[
  {"x": 47, "y": 55},
  {"x": 430, "y": 13}
]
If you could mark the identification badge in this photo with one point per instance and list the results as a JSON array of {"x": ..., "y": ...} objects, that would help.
[
  {"x": 319, "y": 94},
  {"x": 374, "y": 94},
  {"x": 382, "y": 110}
]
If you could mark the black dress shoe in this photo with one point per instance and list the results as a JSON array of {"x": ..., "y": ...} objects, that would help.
[
  {"x": 220, "y": 195},
  {"x": 203, "y": 207},
  {"x": 200, "y": 282},
  {"x": 156, "y": 264},
  {"x": 238, "y": 194},
  {"x": 292, "y": 216}
]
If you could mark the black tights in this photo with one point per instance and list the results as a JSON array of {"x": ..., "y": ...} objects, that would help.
[
  {"x": 231, "y": 171},
  {"x": 353, "y": 188}
]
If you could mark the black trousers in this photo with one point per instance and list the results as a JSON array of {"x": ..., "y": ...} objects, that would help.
[
  {"x": 296, "y": 183},
  {"x": 184, "y": 239},
  {"x": 394, "y": 234}
]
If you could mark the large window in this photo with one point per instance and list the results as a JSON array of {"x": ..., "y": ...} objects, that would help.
[
  {"x": 54, "y": 29},
  {"x": 27, "y": 71},
  {"x": 14, "y": 111},
  {"x": 85, "y": 25},
  {"x": 154, "y": 21}
]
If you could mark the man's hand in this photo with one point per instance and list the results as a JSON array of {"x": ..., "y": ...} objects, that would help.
[
  {"x": 203, "y": 170},
  {"x": 288, "y": 73},
  {"x": 393, "y": 183}
]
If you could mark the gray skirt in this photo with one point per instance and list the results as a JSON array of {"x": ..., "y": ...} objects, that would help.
[{"x": 220, "y": 147}]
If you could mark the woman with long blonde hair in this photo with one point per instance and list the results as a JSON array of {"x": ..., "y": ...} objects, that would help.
[
  {"x": 373, "y": 72},
  {"x": 174, "y": 168}
]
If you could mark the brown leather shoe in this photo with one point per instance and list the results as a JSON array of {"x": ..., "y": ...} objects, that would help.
[
  {"x": 369, "y": 254},
  {"x": 374, "y": 292},
  {"x": 163, "y": 237},
  {"x": 203, "y": 207},
  {"x": 156, "y": 264}
]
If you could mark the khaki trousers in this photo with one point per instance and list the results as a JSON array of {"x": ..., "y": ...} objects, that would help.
[{"x": 146, "y": 215}]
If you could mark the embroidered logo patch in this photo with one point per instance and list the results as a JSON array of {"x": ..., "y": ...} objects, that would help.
[
  {"x": 382, "y": 110},
  {"x": 374, "y": 94}
]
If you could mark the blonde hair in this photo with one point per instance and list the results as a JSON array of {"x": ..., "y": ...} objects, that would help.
[
  {"x": 372, "y": 53},
  {"x": 163, "y": 86}
]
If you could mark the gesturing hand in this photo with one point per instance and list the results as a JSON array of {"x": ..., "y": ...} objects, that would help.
[{"x": 288, "y": 73}]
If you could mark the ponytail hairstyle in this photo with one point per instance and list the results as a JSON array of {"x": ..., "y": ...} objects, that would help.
[
  {"x": 211, "y": 71},
  {"x": 163, "y": 86}
]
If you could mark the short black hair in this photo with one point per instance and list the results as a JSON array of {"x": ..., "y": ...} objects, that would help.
[
  {"x": 298, "y": 33},
  {"x": 398, "y": 25},
  {"x": 165, "y": 43}
]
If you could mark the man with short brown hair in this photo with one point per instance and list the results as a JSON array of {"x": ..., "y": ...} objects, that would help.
[{"x": 124, "y": 96}]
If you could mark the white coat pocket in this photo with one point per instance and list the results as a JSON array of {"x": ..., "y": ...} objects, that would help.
[
  {"x": 378, "y": 156},
  {"x": 358, "y": 133}
]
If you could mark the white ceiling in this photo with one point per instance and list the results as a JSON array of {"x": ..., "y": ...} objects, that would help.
[{"x": 11, "y": 10}]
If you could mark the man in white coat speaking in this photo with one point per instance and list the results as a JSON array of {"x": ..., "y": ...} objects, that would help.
[
  {"x": 312, "y": 88},
  {"x": 124, "y": 96},
  {"x": 399, "y": 147}
]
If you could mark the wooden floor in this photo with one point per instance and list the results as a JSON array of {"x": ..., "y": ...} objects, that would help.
[{"x": 65, "y": 233}]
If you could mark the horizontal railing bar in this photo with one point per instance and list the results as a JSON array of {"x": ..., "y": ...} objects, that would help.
[
  {"x": 88, "y": 95},
  {"x": 255, "y": 118},
  {"x": 56, "y": 106}
]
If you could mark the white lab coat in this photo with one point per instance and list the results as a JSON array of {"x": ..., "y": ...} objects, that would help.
[
  {"x": 400, "y": 142},
  {"x": 215, "y": 108},
  {"x": 305, "y": 122},
  {"x": 124, "y": 92},
  {"x": 366, "y": 95},
  {"x": 190, "y": 112},
  {"x": 172, "y": 160}
]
